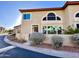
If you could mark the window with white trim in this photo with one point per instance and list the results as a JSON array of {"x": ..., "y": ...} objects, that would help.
[
  {"x": 51, "y": 16},
  {"x": 52, "y": 29},
  {"x": 26, "y": 16}
]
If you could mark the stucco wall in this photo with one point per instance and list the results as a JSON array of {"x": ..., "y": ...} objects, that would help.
[
  {"x": 37, "y": 19},
  {"x": 70, "y": 12},
  {"x": 66, "y": 39},
  {"x": 25, "y": 29},
  {"x": 75, "y": 10}
]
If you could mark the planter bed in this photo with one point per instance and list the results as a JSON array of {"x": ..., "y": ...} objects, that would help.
[{"x": 64, "y": 48}]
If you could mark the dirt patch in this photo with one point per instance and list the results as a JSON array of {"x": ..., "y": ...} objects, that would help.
[{"x": 64, "y": 48}]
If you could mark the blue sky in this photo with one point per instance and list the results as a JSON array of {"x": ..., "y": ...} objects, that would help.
[{"x": 9, "y": 10}]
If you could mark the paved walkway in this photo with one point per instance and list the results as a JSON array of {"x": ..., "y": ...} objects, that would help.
[
  {"x": 3, "y": 45},
  {"x": 6, "y": 49},
  {"x": 44, "y": 50}
]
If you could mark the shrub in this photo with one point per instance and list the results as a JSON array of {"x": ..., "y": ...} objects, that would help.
[
  {"x": 57, "y": 41},
  {"x": 76, "y": 30},
  {"x": 12, "y": 37},
  {"x": 75, "y": 39},
  {"x": 71, "y": 30},
  {"x": 36, "y": 38}
]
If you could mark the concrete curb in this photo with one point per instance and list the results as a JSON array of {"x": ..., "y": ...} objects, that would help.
[{"x": 45, "y": 51}]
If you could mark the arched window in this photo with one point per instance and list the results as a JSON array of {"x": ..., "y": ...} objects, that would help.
[
  {"x": 77, "y": 15},
  {"x": 58, "y": 18},
  {"x": 51, "y": 16},
  {"x": 44, "y": 19}
]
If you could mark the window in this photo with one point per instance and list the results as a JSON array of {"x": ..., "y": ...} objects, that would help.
[
  {"x": 44, "y": 30},
  {"x": 77, "y": 26},
  {"x": 35, "y": 28},
  {"x": 59, "y": 30},
  {"x": 58, "y": 18},
  {"x": 44, "y": 18},
  {"x": 77, "y": 15},
  {"x": 51, "y": 16},
  {"x": 26, "y": 16},
  {"x": 52, "y": 30}
]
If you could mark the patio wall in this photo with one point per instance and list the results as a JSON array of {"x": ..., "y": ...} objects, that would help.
[{"x": 66, "y": 39}]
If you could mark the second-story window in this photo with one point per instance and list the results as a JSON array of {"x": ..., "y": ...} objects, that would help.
[
  {"x": 77, "y": 15},
  {"x": 58, "y": 18},
  {"x": 44, "y": 19},
  {"x": 26, "y": 16},
  {"x": 51, "y": 16}
]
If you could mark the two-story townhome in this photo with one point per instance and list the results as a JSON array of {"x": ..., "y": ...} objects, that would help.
[{"x": 50, "y": 20}]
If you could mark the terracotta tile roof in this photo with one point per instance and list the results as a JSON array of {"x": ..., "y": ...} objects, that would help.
[
  {"x": 70, "y": 3},
  {"x": 49, "y": 9}
]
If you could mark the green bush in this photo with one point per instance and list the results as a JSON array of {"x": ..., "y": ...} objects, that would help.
[
  {"x": 57, "y": 41},
  {"x": 75, "y": 39},
  {"x": 36, "y": 38},
  {"x": 71, "y": 30},
  {"x": 76, "y": 30}
]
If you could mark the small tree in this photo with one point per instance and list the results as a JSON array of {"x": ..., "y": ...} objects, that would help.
[
  {"x": 75, "y": 39},
  {"x": 76, "y": 30},
  {"x": 71, "y": 30},
  {"x": 57, "y": 41},
  {"x": 36, "y": 38}
]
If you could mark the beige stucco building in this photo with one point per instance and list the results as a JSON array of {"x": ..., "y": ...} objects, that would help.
[
  {"x": 17, "y": 31},
  {"x": 49, "y": 20}
]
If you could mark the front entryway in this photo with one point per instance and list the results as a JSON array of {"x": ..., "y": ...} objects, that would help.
[{"x": 34, "y": 28}]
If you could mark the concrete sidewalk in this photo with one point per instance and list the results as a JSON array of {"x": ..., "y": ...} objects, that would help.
[{"x": 44, "y": 50}]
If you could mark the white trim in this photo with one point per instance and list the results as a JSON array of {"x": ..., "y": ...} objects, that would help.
[
  {"x": 47, "y": 14},
  {"x": 51, "y": 20},
  {"x": 52, "y": 25},
  {"x": 50, "y": 12}
]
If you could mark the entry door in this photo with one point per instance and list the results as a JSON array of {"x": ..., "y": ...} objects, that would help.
[
  {"x": 34, "y": 28},
  {"x": 77, "y": 26}
]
